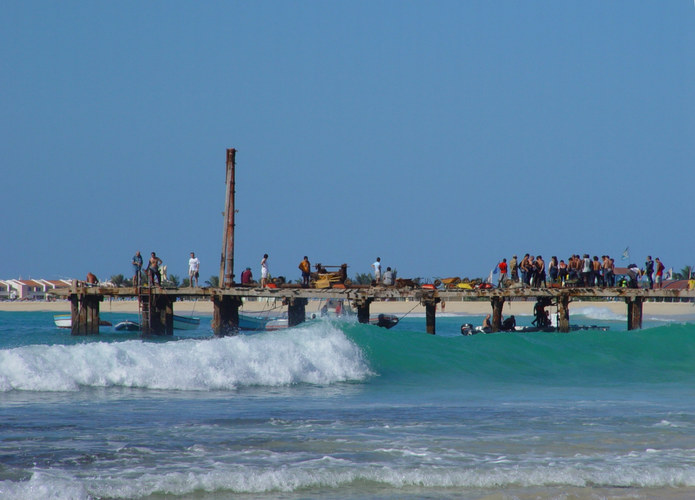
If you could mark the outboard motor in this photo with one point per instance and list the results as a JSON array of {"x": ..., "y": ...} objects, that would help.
[{"x": 467, "y": 329}]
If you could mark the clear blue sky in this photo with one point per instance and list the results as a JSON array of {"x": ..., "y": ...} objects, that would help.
[{"x": 441, "y": 136}]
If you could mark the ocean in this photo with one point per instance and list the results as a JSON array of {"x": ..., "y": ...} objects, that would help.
[{"x": 340, "y": 410}]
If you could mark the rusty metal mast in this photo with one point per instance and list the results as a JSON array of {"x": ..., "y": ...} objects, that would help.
[{"x": 227, "y": 258}]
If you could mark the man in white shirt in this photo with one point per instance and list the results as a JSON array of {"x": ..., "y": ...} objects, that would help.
[
  {"x": 193, "y": 267},
  {"x": 377, "y": 270}
]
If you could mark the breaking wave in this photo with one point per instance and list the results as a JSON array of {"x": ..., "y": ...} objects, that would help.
[{"x": 315, "y": 354}]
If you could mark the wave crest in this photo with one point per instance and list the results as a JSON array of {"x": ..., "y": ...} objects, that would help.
[{"x": 316, "y": 354}]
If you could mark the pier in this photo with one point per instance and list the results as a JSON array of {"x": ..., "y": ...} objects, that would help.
[{"x": 156, "y": 305}]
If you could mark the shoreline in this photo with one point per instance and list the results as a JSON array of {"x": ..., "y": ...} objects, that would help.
[{"x": 464, "y": 308}]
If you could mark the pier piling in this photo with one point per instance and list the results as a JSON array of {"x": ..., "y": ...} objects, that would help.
[
  {"x": 563, "y": 313},
  {"x": 85, "y": 314},
  {"x": 497, "y": 305},
  {"x": 225, "y": 315},
  {"x": 296, "y": 311},
  {"x": 634, "y": 312},
  {"x": 430, "y": 304},
  {"x": 362, "y": 306}
]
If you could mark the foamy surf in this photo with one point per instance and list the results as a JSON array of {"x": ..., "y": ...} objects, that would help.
[
  {"x": 315, "y": 354},
  {"x": 302, "y": 476},
  {"x": 601, "y": 313}
]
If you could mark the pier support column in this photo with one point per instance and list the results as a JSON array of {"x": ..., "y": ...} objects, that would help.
[
  {"x": 362, "y": 306},
  {"x": 225, "y": 315},
  {"x": 85, "y": 314},
  {"x": 563, "y": 313},
  {"x": 497, "y": 304},
  {"x": 160, "y": 313},
  {"x": 296, "y": 311},
  {"x": 430, "y": 304},
  {"x": 634, "y": 312}
]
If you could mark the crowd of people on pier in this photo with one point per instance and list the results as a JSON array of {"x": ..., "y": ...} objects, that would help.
[
  {"x": 531, "y": 271},
  {"x": 585, "y": 271}
]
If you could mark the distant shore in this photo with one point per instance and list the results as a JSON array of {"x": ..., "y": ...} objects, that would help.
[{"x": 472, "y": 308}]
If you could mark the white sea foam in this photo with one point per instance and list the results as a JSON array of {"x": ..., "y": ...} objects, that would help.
[
  {"x": 601, "y": 313},
  {"x": 605, "y": 314},
  {"x": 51, "y": 484},
  {"x": 314, "y": 354}
]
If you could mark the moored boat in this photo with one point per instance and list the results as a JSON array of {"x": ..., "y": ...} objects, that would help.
[
  {"x": 127, "y": 326},
  {"x": 254, "y": 323},
  {"x": 186, "y": 322},
  {"x": 65, "y": 321}
]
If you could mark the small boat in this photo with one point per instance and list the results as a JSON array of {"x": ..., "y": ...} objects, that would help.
[
  {"x": 383, "y": 320},
  {"x": 186, "y": 322},
  {"x": 127, "y": 326},
  {"x": 65, "y": 321},
  {"x": 277, "y": 324},
  {"x": 468, "y": 329},
  {"x": 255, "y": 323}
]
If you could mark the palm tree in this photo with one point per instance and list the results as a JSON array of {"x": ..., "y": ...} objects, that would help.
[
  {"x": 118, "y": 280},
  {"x": 174, "y": 279},
  {"x": 364, "y": 278},
  {"x": 683, "y": 274},
  {"x": 213, "y": 282}
]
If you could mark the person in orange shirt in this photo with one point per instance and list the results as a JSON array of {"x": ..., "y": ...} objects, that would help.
[{"x": 305, "y": 267}]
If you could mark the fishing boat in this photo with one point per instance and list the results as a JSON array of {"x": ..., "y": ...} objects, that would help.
[
  {"x": 383, "y": 320},
  {"x": 127, "y": 326},
  {"x": 186, "y": 322},
  {"x": 468, "y": 329},
  {"x": 254, "y": 323},
  {"x": 65, "y": 321},
  {"x": 334, "y": 309}
]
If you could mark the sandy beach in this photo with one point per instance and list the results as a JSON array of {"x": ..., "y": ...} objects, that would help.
[{"x": 473, "y": 308}]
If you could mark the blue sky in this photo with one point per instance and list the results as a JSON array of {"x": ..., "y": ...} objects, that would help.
[{"x": 441, "y": 136}]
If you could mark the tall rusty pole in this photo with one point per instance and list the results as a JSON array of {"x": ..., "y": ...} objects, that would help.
[{"x": 227, "y": 258}]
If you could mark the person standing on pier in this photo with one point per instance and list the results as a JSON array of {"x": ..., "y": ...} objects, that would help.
[
  {"x": 659, "y": 272},
  {"x": 649, "y": 271},
  {"x": 193, "y": 270},
  {"x": 305, "y": 267},
  {"x": 137, "y": 267},
  {"x": 377, "y": 270},
  {"x": 264, "y": 270},
  {"x": 514, "y": 269},
  {"x": 503, "y": 273},
  {"x": 153, "y": 270}
]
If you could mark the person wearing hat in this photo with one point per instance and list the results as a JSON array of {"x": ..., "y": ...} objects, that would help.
[{"x": 246, "y": 276}]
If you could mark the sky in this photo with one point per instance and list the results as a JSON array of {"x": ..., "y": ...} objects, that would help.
[{"x": 440, "y": 136}]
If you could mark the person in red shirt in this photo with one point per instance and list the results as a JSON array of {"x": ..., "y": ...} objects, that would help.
[
  {"x": 503, "y": 273},
  {"x": 659, "y": 272}
]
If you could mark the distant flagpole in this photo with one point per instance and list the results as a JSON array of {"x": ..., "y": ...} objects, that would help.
[{"x": 626, "y": 254}]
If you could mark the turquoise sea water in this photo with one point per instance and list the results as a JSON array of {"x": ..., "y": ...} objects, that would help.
[{"x": 343, "y": 410}]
